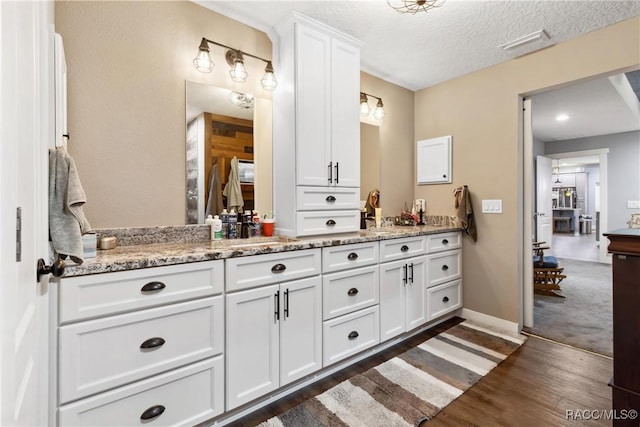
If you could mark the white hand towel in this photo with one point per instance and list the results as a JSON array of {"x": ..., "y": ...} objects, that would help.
[{"x": 67, "y": 222}]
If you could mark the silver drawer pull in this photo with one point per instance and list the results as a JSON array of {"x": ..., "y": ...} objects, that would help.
[
  {"x": 152, "y": 343},
  {"x": 353, "y": 335},
  {"x": 154, "y": 411}
]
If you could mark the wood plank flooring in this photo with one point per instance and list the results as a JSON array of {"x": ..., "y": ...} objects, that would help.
[{"x": 535, "y": 386}]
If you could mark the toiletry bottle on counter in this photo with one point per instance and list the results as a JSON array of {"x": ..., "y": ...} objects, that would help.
[
  {"x": 209, "y": 222},
  {"x": 233, "y": 224},
  {"x": 224, "y": 217},
  {"x": 217, "y": 228}
]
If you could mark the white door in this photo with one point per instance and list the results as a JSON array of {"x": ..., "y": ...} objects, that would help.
[
  {"x": 393, "y": 281},
  {"x": 433, "y": 160},
  {"x": 416, "y": 304},
  {"x": 26, "y": 131},
  {"x": 313, "y": 55},
  {"x": 300, "y": 328},
  {"x": 544, "y": 212},
  {"x": 252, "y": 344},
  {"x": 345, "y": 114}
]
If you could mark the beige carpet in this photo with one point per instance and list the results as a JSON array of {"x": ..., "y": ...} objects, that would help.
[{"x": 409, "y": 388}]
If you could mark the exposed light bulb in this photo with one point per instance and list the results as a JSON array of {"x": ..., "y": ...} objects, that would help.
[
  {"x": 269, "y": 81},
  {"x": 203, "y": 61},
  {"x": 364, "y": 105},
  {"x": 238, "y": 73},
  {"x": 379, "y": 112}
]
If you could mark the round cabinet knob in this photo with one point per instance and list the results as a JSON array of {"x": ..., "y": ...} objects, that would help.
[
  {"x": 444, "y": 176},
  {"x": 445, "y": 299},
  {"x": 56, "y": 269},
  {"x": 445, "y": 267}
]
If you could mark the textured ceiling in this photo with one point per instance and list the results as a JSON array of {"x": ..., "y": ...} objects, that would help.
[{"x": 418, "y": 51}]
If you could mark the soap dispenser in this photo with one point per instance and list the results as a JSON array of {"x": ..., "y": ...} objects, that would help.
[{"x": 209, "y": 221}]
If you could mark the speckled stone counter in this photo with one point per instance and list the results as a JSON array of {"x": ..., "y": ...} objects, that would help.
[{"x": 133, "y": 257}]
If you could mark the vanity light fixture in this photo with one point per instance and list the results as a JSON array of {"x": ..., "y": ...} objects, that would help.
[
  {"x": 378, "y": 113},
  {"x": 414, "y": 6},
  {"x": 235, "y": 58}
]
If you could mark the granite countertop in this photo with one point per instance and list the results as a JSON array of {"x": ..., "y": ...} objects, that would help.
[{"x": 133, "y": 257}]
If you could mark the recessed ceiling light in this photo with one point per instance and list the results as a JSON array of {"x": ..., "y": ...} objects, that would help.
[{"x": 562, "y": 117}]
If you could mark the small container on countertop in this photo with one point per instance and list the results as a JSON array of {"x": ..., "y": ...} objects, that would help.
[{"x": 107, "y": 242}]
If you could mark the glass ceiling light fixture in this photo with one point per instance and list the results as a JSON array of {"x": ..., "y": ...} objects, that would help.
[
  {"x": 378, "y": 113},
  {"x": 414, "y": 6},
  {"x": 557, "y": 171},
  {"x": 235, "y": 58}
]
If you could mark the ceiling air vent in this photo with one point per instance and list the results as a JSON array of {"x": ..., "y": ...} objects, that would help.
[{"x": 526, "y": 44}]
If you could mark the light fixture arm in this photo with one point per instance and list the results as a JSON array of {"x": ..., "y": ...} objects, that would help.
[{"x": 205, "y": 41}]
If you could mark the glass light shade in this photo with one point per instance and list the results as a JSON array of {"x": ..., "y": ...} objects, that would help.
[
  {"x": 238, "y": 73},
  {"x": 379, "y": 113},
  {"x": 269, "y": 81},
  {"x": 203, "y": 62},
  {"x": 364, "y": 106}
]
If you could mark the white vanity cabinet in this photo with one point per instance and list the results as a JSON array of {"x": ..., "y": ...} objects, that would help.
[
  {"x": 403, "y": 304},
  {"x": 350, "y": 295},
  {"x": 444, "y": 272},
  {"x": 274, "y": 331},
  {"x": 131, "y": 344},
  {"x": 316, "y": 131}
]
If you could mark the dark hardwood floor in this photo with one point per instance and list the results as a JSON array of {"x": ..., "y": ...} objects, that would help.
[{"x": 535, "y": 386}]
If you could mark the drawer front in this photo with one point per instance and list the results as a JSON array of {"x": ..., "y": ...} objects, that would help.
[
  {"x": 327, "y": 198},
  {"x": 189, "y": 396},
  {"x": 111, "y": 293},
  {"x": 336, "y": 258},
  {"x": 393, "y": 249},
  {"x": 100, "y": 354},
  {"x": 348, "y": 291},
  {"x": 259, "y": 270},
  {"x": 327, "y": 222},
  {"x": 443, "y": 299},
  {"x": 349, "y": 334},
  {"x": 443, "y": 242},
  {"x": 443, "y": 267}
]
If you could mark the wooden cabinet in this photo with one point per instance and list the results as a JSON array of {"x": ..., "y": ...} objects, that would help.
[
  {"x": 316, "y": 126},
  {"x": 433, "y": 158},
  {"x": 625, "y": 384},
  {"x": 402, "y": 296},
  {"x": 132, "y": 345},
  {"x": 273, "y": 337}
]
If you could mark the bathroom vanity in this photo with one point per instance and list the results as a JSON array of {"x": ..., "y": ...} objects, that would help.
[{"x": 186, "y": 333}]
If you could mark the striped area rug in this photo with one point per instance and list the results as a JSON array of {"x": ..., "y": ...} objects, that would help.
[{"x": 409, "y": 388}]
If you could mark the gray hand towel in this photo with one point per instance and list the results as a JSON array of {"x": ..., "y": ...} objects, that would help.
[
  {"x": 67, "y": 222},
  {"x": 464, "y": 211},
  {"x": 214, "y": 201}
]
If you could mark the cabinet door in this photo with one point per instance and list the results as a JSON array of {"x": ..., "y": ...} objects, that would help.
[
  {"x": 434, "y": 160},
  {"x": 415, "y": 290},
  {"x": 313, "y": 122},
  {"x": 300, "y": 328},
  {"x": 345, "y": 114},
  {"x": 392, "y": 295},
  {"x": 252, "y": 344}
]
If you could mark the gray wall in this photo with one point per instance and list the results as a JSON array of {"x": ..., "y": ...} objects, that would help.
[{"x": 623, "y": 170}]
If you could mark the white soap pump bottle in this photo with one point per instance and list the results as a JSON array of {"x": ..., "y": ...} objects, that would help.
[{"x": 210, "y": 221}]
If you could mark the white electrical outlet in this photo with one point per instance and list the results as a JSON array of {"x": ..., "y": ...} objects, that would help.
[{"x": 492, "y": 206}]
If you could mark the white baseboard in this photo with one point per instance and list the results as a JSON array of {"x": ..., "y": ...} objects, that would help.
[{"x": 490, "y": 321}]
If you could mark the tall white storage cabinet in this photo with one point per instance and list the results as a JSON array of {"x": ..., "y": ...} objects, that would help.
[{"x": 319, "y": 68}]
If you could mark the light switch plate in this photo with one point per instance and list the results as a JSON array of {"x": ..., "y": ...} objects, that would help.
[
  {"x": 633, "y": 204},
  {"x": 492, "y": 206}
]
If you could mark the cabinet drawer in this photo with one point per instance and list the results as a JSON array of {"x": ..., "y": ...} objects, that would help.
[
  {"x": 443, "y": 299},
  {"x": 349, "y": 334},
  {"x": 111, "y": 293},
  {"x": 258, "y": 270},
  {"x": 443, "y": 267},
  {"x": 336, "y": 258},
  {"x": 393, "y": 249},
  {"x": 348, "y": 291},
  {"x": 100, "y": 354},
  {"x": 443, "y": 242},
  {"x": 327, "y": 222},
  {"x": 327, "y": 198},
  {"x": 189, "y": 395}
]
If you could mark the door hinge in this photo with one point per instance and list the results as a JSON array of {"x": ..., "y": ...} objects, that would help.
[{"x": 18, "y": 234}]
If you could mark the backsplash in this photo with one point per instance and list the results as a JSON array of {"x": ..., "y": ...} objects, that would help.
[{"x": 147, "y": 235}]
